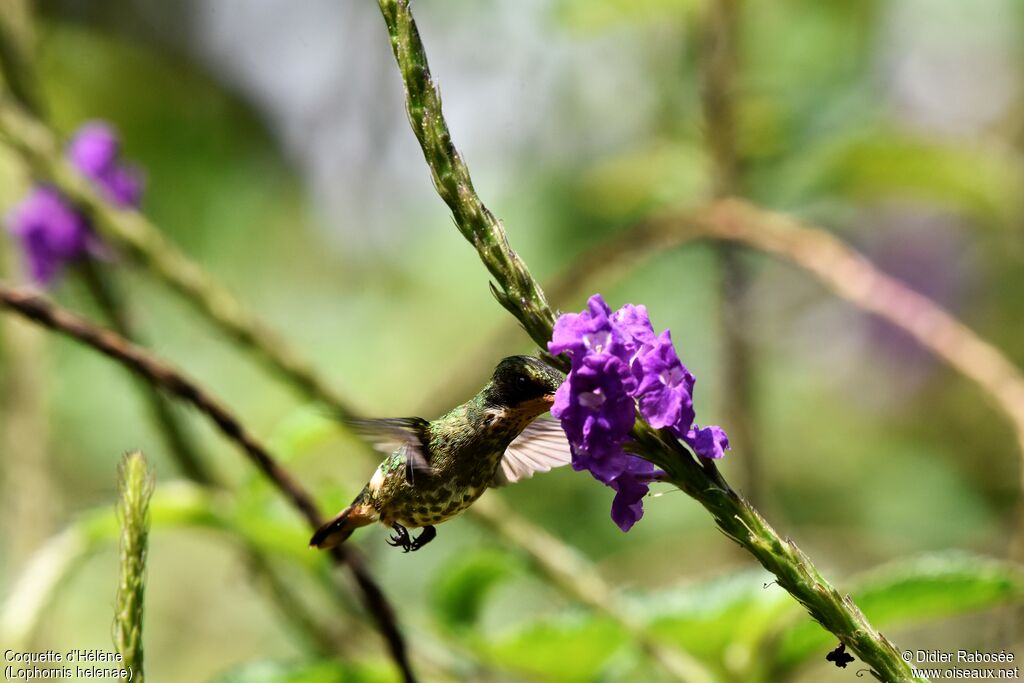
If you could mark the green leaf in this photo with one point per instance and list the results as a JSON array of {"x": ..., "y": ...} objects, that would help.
[
  {"x": 907, "y": 592},
  {"x": 305, "y": 672},
  {"x": 459, "y": 595}
]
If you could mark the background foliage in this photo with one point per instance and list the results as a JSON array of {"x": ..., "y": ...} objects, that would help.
[{"x": 277, "y": 155}]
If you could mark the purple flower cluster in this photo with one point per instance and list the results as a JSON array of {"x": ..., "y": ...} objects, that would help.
[
  {"x": 96, "y": 152},
  {"x": 619, "y": 363},
  {"x": 52, "y": 232}
]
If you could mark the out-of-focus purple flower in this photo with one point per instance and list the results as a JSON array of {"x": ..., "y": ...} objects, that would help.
[
  {"x": 95, "y": 151},
  {"x": 665, "y": 390},
  {"x": 618, "y": 363},
  {"x": 708, "y": 442},
  {"x": 51, "y": 232}
]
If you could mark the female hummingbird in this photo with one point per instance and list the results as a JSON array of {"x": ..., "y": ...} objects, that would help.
[{"x": 437, "y": 469}]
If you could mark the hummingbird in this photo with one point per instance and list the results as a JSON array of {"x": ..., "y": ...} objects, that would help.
[{"x": 436, "y": 469}]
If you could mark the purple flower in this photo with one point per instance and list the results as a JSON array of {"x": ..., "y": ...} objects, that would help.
[
  {"x": 709, "y": 442},
  {"x": 630, "y": 489},
  {"x": 618, "y": 364},
  {"x": 95, "y": 151},
  {"x": 597, "y": 414},
  {"x": 589, "y": 332},
  {"x": 633, "y": 322},
  {"x": 51, "y": 232},
  {"x": 665, "y": 391}
]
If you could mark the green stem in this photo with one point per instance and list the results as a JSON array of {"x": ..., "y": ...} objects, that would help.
[
  {"x": 180, "y": 445},
  {"x": 794, "y": 571},
  {"x": 135, "y": 484},
  {"x": 523, "y": 297},
  {"x": 519, "y": 292},
  {"x": 133, "y": 231}
]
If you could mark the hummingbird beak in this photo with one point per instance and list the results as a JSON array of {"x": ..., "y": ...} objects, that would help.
[{"x": 537, "y": 406}]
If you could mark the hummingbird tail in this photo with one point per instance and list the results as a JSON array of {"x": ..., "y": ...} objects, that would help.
[{"x": 337, "y": 531}]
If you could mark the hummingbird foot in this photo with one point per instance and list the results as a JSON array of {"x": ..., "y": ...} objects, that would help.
[
  {"x": 425, "y": 537},
  {"x": 401, "y": 538}
]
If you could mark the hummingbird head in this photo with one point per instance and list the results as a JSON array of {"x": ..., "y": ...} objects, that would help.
[{"x": 523, "y": 383}]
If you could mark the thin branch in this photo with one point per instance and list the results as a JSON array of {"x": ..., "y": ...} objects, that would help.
[
  {"x": 701, "y": 481},
  {"x": 133, "y": 231},
  {"x": 42, "y": 311}
]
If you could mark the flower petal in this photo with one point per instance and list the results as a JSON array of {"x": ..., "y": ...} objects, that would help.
[{"x": 708, "y": 442}]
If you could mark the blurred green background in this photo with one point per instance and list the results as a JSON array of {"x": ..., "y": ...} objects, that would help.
[{"x": 278, "y": 157}]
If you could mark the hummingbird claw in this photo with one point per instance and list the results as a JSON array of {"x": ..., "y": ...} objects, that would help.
[
  {"x": 425, "y": 537},
  {"x": 401, "y": 538}
]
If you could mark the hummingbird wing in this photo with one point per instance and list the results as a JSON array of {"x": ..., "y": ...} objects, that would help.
[
  {"x": 408, "y": 434},
  {"x": 541, "y": 447}
]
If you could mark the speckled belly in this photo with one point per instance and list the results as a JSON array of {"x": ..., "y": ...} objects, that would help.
[
  {"x": 426, "y": 508},
  {"x": 432, "y": 500}
]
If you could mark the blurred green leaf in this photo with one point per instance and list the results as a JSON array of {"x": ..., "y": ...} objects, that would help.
[
  {"x": 295, "y": 435},
  {"x": 175, "y": 504},
  {"x": 305, "y": 672},
  {"x": 299, "y": 431},
  {"x": 639, "y": 181},
  {"x": 708, "y": 619},
  {"x": 920, "y": 485},
  {"x": 975, "y": 179},
  {"x": 913, "y": 591},
  {"x": 573, "y": 648},
  {"x": 459, "y": 595}
]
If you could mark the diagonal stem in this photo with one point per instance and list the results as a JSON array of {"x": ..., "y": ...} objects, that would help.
[
  {"x": 517, "y": 291},
  {"x": 523, "y": 297},
  {"x": 45, "y": 313}
]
